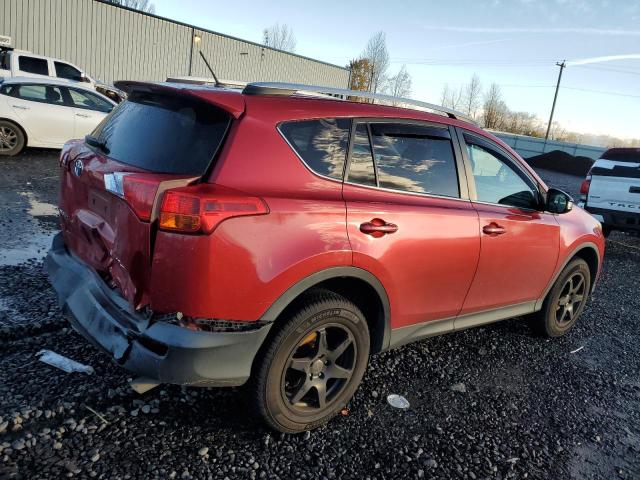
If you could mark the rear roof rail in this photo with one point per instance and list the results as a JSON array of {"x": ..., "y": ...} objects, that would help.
[{"x": 289, "y": 89}]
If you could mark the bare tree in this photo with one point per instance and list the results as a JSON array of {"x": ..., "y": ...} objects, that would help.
[
  {"x": 559, "y": 133},
  {"x": 494, "y": 109},
  {"x": 444, "y": 96},
  {"x": 399, "y": 85},
  {"x": 378, "y": 55},
  {"x": 280, "y": 37},
  {"x": 450, "y": 97},
  {"x": 142, "y": 5},
  {"x": 472, "y": 93}
]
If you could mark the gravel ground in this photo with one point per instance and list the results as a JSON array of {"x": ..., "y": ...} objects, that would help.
[{"x": 494, "y": 402}]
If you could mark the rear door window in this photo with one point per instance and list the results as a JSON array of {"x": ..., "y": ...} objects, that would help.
[
  {"x": 89, "y": 101},
  {"x": 64, "y": 70},
  {"x": 164, "y": 133},
  {"x": 321, "y": 144},
  {"x": 39, "y": 93},
  {"x": 33, "y": 65},
  {"x": 415, "y": 158}
]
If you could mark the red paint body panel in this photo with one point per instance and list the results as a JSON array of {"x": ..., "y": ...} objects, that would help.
[
  {"x": 438, "y": 264},
  {"x": 515, "y": 267},
  {"x": 426, "y": 266},
  {"x": 577, "y": 230},
  {"x": 247, "y": 263}
]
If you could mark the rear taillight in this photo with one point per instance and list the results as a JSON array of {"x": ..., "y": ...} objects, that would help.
[
  {"x": 138, "y": 189},
  {"x": 584, "y": 187},
  {"x": 201, "y": 208}
]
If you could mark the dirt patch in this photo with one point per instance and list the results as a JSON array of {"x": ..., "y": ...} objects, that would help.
[{"x": 562, "y": 162}]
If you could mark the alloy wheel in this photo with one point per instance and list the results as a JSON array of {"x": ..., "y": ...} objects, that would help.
[
  {"x": 8, "y": 139},
  {"x": 319, "y": 368},
  {"x": 571, "y": 298}
]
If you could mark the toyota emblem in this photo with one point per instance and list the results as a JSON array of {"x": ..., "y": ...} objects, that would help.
[{"x": 77, "y": 167}]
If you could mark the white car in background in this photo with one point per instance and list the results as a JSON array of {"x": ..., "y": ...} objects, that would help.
[
  {"x": 46, "y": 112},
  {"x": 611, "y": 191},
  {"x": 21, "y": 63}
]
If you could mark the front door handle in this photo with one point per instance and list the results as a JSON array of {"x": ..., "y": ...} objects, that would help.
[
  {"x": 493, "y": 229},
  {"x": 21, "y": 107},
  {"x": 378, "y": 227},
  {"x": 83, "y": 115}
]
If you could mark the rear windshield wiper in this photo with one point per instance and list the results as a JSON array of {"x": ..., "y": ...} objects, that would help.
[{"x": 94, "y": 142}]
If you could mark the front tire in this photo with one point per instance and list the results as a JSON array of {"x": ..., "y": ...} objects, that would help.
[
  {"x": 313, "y": 365},
  {"x": 566, "y": 300},
  {"x": 12, "y": 139}
]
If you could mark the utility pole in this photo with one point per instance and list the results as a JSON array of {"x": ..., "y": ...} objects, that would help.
[{"x": 555, "y": 97}]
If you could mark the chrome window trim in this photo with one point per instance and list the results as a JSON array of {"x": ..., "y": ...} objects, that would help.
[
  {"x": 404, "y": 192},
  {"x": 367, "y": 120}
]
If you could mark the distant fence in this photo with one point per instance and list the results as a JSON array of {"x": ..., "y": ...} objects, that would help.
[{"x": 532, "y": 146}]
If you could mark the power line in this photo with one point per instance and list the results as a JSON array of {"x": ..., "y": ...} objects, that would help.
[
  {"x": 609, "y": 69},
  {"x": 603, "y": 92},
  {"x": 525, "y": 86},
  {"x": 464, "y": 63}
]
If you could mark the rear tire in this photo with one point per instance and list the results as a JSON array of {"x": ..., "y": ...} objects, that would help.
[
  {"x": 313, "y": 365},
  {"x": 566, "y": 300},
  {"x": 12, "y": 138}
]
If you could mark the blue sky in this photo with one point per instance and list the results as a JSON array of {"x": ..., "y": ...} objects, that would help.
[{"x": 514, "y": 43}]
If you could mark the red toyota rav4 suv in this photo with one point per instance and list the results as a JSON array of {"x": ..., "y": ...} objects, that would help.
[{"x": 213, "y": 237}]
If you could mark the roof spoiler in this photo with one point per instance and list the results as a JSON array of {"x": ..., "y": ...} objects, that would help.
[{"x": 230, "y": 101}]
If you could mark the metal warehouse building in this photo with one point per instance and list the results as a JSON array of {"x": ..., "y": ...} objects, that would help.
[{"x": 112, "y": 43}]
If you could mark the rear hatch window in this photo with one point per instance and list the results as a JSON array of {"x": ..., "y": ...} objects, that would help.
[{"x": 163, "y": 133}]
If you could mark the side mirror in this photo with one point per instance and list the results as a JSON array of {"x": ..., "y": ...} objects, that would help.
[{"x": 558, "y": 201}]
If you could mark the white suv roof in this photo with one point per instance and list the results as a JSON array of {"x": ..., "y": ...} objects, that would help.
[{"x": 46, "y": 81}]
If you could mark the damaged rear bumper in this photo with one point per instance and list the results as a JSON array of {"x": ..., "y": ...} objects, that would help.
[{"x": 161, "y": 351}]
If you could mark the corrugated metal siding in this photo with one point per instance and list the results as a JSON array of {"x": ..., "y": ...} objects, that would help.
[{"x": 112, "y": 43}]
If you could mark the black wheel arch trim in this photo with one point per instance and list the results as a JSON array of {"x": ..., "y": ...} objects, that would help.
[
  {"x": 574, "y": 253},
  {"x": 293, "y": 292}
]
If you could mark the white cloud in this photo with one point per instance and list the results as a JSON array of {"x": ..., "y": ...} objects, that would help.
[{"x": 609, "y": 58}]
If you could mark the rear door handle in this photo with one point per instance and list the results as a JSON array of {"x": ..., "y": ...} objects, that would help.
[
  {"x": 83, "y": 115},
  {"x": 494, "y": 229},
  {"x": 378, "y": 227},
  {"x": 21, "y": 107}
]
